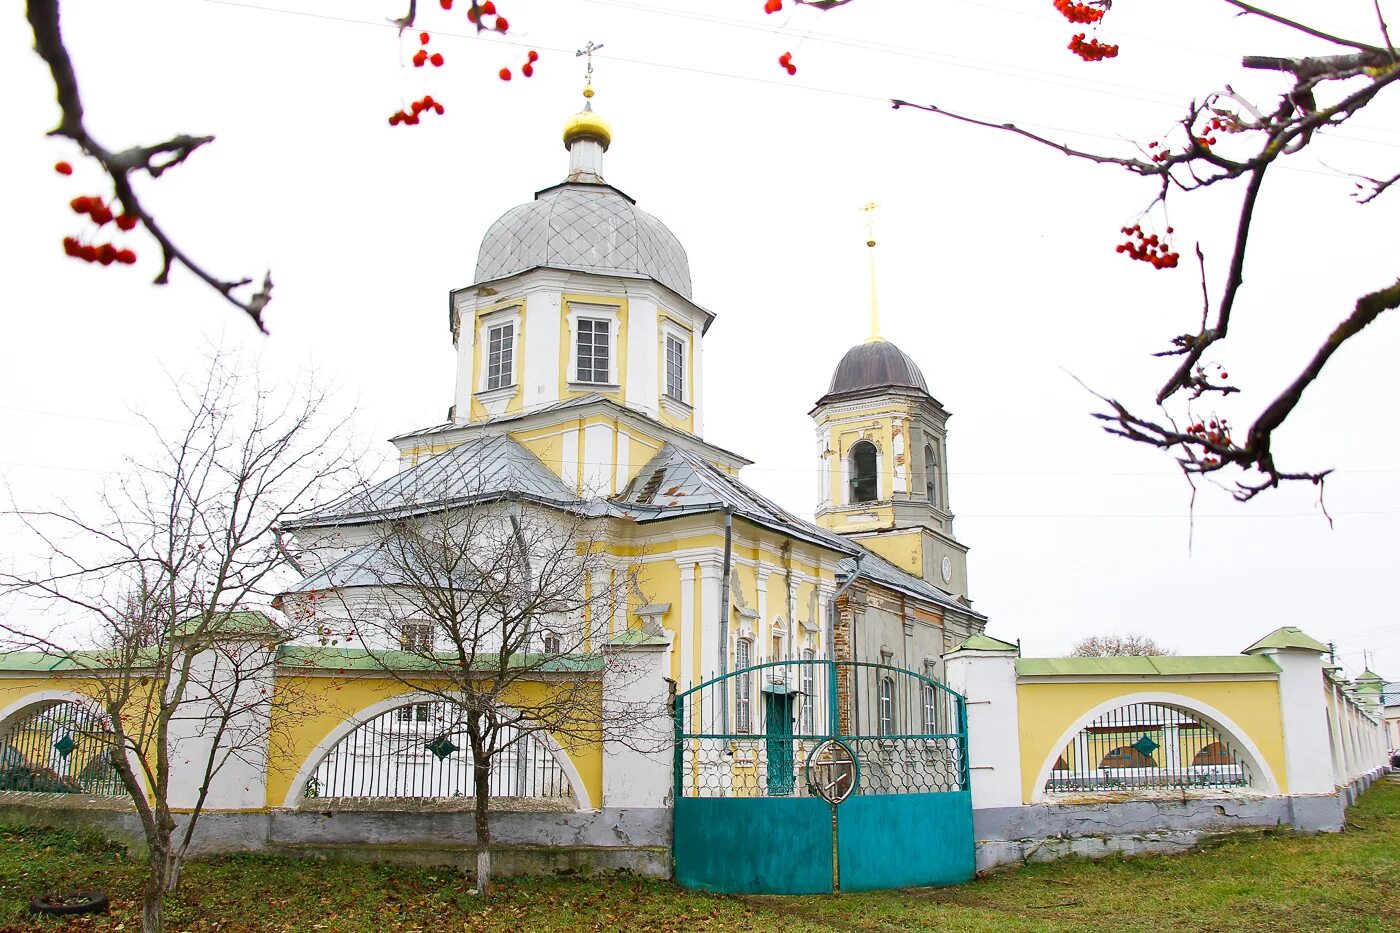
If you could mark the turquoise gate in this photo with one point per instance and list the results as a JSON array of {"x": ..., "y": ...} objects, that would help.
[{"x": 808, "y": 777}]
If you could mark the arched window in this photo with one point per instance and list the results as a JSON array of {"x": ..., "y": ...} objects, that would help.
[
  {"x": 929, "y": 694},
  {"x": 864, "y": 486},
  {"x": 931, "y": 475},
  {"x": 887, "y": 706}
]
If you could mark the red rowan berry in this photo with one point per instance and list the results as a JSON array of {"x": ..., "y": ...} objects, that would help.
[
  {"x": 505, "y": 74},
  {"x": 80, "y": 204},
  {"x": 106, "y": 254},
  {"x": 502, "y": 24},
  {"x": 419, "y": 57},
  {"x": 446, "y": 4},
  {"x": 489, "y": 8},
  {"x": 528, "y": 70},
  {"x": 87, "y": 252},
  {"x": 71, "y": 246},
  {"x": 423, "y": 38},
  {"x": 126, "y": 257},
  {"x": 436, "y": 59},
  {"x": 1224, "y": 375},
  {"x": 63, "y": 168},
  {"x": 101, "y": 214},
  {"x": 126, "y": 222},
  {"x": 437, "y": 108},
  {"x": 533, "y": 56}
]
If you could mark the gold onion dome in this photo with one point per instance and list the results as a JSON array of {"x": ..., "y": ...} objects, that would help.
[{"x": 587, "y": 125}]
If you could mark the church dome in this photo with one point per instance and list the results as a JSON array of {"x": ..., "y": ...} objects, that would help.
[
  {"x": 583, "y": 227},
  {"x": 584, "y": 224},
  {"x": 873, "y": 366}
]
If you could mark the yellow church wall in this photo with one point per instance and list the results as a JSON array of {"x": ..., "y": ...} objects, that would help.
[
  {"x": 319, "y": 704},
  {"x": 905, "y": 550},
  {"x": 1047, "y": 709}
]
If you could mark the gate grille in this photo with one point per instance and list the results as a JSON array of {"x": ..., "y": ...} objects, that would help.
[
  {"x": 61, "y": 749},
  {"x": 750, "y": 733}
]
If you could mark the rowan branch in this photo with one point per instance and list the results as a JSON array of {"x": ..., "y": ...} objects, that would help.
[
  {"x": 43, "y": 18},
  {"x": 1308, "y": 30}
]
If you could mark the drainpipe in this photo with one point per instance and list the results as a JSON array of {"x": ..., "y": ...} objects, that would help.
[{"x": 724, "y": 620}]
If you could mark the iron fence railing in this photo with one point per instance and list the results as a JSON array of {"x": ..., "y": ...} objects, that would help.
[
  {"x": 1147, "y": 746},
  {"x": 60, "y": 749},
  {"x": 753, "y": 732},
  {"x": 421, "y": 750}
]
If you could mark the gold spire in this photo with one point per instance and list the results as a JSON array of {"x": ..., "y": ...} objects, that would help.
[
  {"x": 869, "y": 209},
  {"x": 586, "y": 124}
]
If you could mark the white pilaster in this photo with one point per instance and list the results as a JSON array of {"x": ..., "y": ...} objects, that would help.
[
  {"x": 637, "y": 726},
  {"x": 988, "y": 679},
  {"x": 1303, "y": 704}
]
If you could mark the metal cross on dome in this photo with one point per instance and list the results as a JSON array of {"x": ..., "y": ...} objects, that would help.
[{"x": 588, "y": 51}]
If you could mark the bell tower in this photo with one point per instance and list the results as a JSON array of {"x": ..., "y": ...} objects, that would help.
[{"x": 882, "y": 442}]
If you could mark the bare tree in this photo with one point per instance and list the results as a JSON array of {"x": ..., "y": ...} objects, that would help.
[
  {"x": 502, "y": 608},
  {"x": 1132, "y": 645},
  {"x": 163, "y": 578}
]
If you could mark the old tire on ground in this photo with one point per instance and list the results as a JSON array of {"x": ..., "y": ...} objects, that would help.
[{"x": 72, "y": 902}]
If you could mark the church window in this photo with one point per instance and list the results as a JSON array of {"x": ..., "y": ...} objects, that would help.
[
  {"x": 863, "y": 478},
  {"x": 593, "y": 341},
  {"x": 743, "y": 697},
  {"x": 930, "y": 475},
  {"x": 500, "y": 356},
  {"x": 675, "y": 368},
  {"x": 809, "y": 689},
  {"x": 416, "y": 636},
  {"x": 887, "y": 706}
]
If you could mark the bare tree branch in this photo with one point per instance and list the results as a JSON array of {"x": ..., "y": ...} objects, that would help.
[{"x": 48, "y": 42}]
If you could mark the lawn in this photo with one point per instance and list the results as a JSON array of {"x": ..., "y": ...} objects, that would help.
[{"x": 1258, "y": 882}]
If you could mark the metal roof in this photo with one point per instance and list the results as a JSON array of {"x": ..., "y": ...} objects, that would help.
[
  {"x": 677, "y": 482},
  {"x": 584, "y": 228},
  {"x": 874, "y": 366},
  {"x": 1146, "y": 666},
  {"x": 483, "y": 467}
]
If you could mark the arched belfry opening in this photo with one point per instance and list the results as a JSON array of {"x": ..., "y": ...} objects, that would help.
[{"x": 865, "y": 486}]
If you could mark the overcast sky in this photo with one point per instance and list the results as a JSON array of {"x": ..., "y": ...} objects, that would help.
[{"x": 997, "y": 269}]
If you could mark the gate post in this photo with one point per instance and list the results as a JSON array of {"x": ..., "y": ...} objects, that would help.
[
  {"x": 638, "y": 724},
  {"x": 983, "y": 670}
]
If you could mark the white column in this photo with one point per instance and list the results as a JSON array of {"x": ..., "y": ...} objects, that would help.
[
  {"x": 708, "y": 617},
  {"x": 638, "y": 730},
  {"x": 1303, "y": 704},
  {"x": 686, "y": 629},
  {"x": 988, "y": 679}
]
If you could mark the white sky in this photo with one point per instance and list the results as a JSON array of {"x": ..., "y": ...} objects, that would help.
[{"x": 997, "y": 270}]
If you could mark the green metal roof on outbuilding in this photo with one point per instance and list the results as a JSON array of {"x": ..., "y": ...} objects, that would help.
[
  {"x": 1145, "y": 666},
  {"x": 1288, "y": 637}
]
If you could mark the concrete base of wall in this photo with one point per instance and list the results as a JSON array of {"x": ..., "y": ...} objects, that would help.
[
  {"x": 1043, "y": 832},
  {"x": 523, "y": 843}
]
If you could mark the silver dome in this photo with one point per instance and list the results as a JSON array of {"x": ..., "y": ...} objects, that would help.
[{"x": 585, "y": 228}]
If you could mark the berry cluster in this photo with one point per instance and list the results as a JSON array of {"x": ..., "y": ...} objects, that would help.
[
  {"x": 528, "y": 69},
  {"x": 1079, "y": 12},
  {"x": 101, "y": 214},
  {"x": 1160, "y": 156},
  {"x": 773, "y": 6},
  {"x": 410, "y": 117},
  {"x": 1148, "y": 248},
  {"x": 785, "y": 60},
  {"x": 421, "y": 57},
  {"x": 486, "y": 9},
  {"x": 1093, "y": 50},
  {"x": 1218, "y": 432}
]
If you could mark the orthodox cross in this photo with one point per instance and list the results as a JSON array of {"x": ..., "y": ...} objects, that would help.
[
  {"x": 869, "y": 209},
  {"x": 588, "y": 51}
]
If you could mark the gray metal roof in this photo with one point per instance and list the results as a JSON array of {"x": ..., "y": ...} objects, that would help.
[
  {"x": 483, "y": 467},
  {"x": 585, "y": 228},
  {"x": 676, "y": 481}
]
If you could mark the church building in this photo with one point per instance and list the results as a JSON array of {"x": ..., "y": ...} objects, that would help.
[{"x": 580, "y": 365}]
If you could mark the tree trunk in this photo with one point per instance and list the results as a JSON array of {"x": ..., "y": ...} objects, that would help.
[
  {"x": 172, "y": 875},
  {"x": 153, "y": 893},
  {"x": 481, "y": 787}
]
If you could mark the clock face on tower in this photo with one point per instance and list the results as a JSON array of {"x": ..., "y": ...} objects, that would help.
[{"x": 947, "y": 569}]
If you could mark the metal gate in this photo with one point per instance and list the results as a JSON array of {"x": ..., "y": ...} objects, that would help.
[{"x": 807, "y": 777}]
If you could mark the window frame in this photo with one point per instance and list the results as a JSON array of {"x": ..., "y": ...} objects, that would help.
[
  {"x": 416, "y": 635},
  {"x": 595, "y": 313},
  {"x": 743, "y": 687},
  {"x": 808, "y": 685},
  {"x": 886, "y": 707},
  {"x": 671, "y": 329},
  {"x": 487, "y": 321},
  {"x": 931, "y": 479},
  {"x": 606, "y": 345}
]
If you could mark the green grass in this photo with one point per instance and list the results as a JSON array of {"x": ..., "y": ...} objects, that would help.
[{"x": 1256, "y": 883}]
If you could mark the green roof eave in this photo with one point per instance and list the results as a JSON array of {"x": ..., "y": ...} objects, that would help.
[
  {"x": 50, "y": 662},
  {"x": 636, "y": 636},
  {"x": 1289, "y": 636},
  {"x": 1157, "y": 666}
]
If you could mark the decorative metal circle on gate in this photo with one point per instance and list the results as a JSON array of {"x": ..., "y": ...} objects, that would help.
[{"x": 833, "y": 772}]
